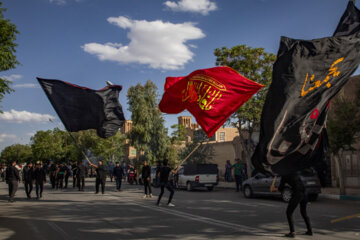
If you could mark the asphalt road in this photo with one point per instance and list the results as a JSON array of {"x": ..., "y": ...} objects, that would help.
[{"x": 221, "y": 214}]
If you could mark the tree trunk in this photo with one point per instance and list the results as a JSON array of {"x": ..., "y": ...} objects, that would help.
[{"x": 339, "y": 167}]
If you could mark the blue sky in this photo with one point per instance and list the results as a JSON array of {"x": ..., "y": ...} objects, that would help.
[{"x": 88, "y": 42}]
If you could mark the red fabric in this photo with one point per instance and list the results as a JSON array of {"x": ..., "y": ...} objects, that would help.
[{"x": 211, "y": 95}]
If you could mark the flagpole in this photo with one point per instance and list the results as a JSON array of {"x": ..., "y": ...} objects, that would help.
[
  {"x": 186, "y": 158},
  {"x": 76, "y": 144}
]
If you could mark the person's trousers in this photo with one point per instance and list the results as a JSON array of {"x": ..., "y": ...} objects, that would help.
[
  {"x": 102, "y": 182},
  {"x": 81, "y": 183},
  {"x": 66, "y": 180},
  {"x": 169, "y": 188},
  {"x": 147, "y": 186},
  {"x": 74, "y": 182},
  {"x": 238, "y": 181},
  {"x": 118, "y": 182},
  {"x": 295, "y": 200},
  {"x": 39, "y": 188},
  {"x": 52, "y": 180},
  {"x": 28, "y": 188},
  {"x": 13, "y": 186},
  {"x": 60, "y": 181}
]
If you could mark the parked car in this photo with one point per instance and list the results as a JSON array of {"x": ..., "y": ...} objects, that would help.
[
  {"x": 192, "y": 176},
  {"x": 259, "y": 185}
]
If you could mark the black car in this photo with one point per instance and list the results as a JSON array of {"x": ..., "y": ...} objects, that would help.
[{"x": 259, "y": 185}]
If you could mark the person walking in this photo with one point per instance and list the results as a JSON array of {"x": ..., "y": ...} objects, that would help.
[
  {"x": 80, "y": 175},
  {"x": 12, "y": 179},
  {"x": 298, "y": 196},
  {"x": 238, "y": 167},
  {"x": 40, "y": 178},
  {"x": 68, "y": 173},
  {"x": 74, "y": 168},
  {"x": 52, "y": 174},
  {"x": 100, "y": 177},
  {"x": 164, "y": 182},
  {"x": 118, "y": 173},
  {"x": 146, "y": 177},
  {"x": 228, "y": 167},
  {"x": 61, "y": 171},
  {"x": 27, "y": 177}
]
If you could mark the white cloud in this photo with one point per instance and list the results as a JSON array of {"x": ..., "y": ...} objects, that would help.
[
  {"x": 12, "y": 77},
  {"x": 26, "y": 85},
  {"x": 161, "y": 45},
  {"x": 4, "y": 137},
  {"x": 197, "y": 6},
  {"x": 25, "y": 116},
  {"x": 58, "y": 2}
]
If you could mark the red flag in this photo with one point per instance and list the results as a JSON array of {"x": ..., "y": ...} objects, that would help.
[{"x": 210, "y": 95}]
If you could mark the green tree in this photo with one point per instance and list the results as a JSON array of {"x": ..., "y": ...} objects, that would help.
[
  {"x": 7, "y": 51},
  {"x": 255, "y": 64},
  {"x": 148, "y": 134},
  {"x": 203, "y": 154},
  {"x": 18, "y": 152},
  {"x": 343, "y": 126},
  {"x": 178, "y": 134}
]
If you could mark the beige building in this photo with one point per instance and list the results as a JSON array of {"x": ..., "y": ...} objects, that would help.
[{"x": 129, "y": 151}]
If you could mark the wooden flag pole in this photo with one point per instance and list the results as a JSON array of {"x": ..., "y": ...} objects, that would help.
[{"x": 186, "y": 158}]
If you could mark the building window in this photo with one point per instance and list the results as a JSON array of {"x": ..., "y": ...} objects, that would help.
[{"x": 221, "y": 136}]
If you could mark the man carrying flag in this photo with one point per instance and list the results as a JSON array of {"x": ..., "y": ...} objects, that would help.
[{"x": 306, "y": 76}]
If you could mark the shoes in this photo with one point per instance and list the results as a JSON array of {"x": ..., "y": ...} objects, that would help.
[
  {"x": 150, "y": 196},
  {"x": 309, "y": 233},
  {"x": 290, "y": 235},
  {"x": 96, "y": 192},
  {"x": 11, "y": 200},
  {"x": 103, "y": 192},
  {"x": 170, "y": 205},
  {"x": 145, "y": 196},
  {"x": 40, "y": 195},
  {"x": 158, "y": 204}
]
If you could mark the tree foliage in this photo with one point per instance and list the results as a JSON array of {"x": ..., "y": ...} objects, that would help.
[
  {"x": 148, "y": 134},
  {"x": 255, "y": 64},
  {"x": 18, "y": 152},
  {"x": 59, "y": 146},
  {"x": 7, "y": 50},
  {"x": 343, "y": 125},
  {"x": 203, "y": 154}
]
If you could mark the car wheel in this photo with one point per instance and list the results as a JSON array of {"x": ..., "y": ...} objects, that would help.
[
  {"x": 188, "y": 186},
  {"x": 286, "y": 194},
  {"x": 313, "y": 197},
  {"x": 248, "y": 193},
  {"x": 210, "y": 188}
]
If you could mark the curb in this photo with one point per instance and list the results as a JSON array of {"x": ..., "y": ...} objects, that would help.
[{"x": 340, "y": 197}]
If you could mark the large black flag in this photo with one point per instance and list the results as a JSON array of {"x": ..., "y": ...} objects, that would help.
[
  {"x": 81, "y": 108},
  {"x": 306, "y": 75}
]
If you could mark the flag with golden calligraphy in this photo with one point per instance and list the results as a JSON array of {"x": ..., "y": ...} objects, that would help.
[
  {"x": 306, "y": 76},
  {"x": 210, "y": 95}
]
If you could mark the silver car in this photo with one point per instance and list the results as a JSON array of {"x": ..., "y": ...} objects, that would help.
[{"x": 259, "y": 185}]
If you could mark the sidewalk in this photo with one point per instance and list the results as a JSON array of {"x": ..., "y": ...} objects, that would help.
[{"x": 329, "y": 192}]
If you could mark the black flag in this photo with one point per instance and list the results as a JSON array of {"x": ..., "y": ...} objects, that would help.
[
  {"x": 306, "y": 76},
  {"x": 81, "y": 108}
]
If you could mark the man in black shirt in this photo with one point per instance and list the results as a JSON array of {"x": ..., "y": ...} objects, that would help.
[
  {"x": 100, "y": 177},
  {"x": 12, "y": 179},
  {"x": 298, "y": 197},
  {"x": 40, "y": 178},
  {"x": 118, "y": 173},
  {"x": 61, "y": 171},
  {"x": 164, "y": 182},
  {"x": 27, "y": 178},
  {"x": 52, "y": 174},
  {"x": 146, "y": 177},
  {"x": 80, "y": 175}
]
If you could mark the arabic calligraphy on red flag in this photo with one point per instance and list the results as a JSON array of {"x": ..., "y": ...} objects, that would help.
[{"x": 210, "y": 95}]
